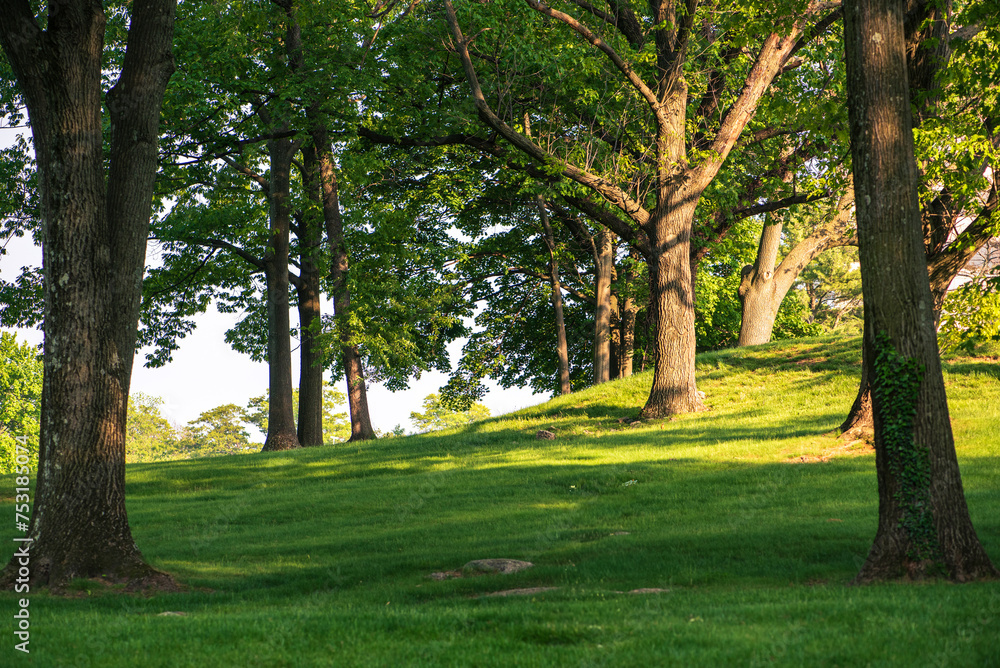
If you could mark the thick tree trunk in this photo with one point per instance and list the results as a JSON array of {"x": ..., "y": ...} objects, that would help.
[
  {"x": 94, "y": 243},
  {"x": 672, "y": 313},
  {"x": 604, "y": 257},
  {"x": 562, "y": 347},
  {"x": 924, "y": 526},
  {"x": 763, "y": 286},
  {"x": 281, "y": 413},
  {"x": 357, "y": 394},
  {"x": 758, "y": 290}
]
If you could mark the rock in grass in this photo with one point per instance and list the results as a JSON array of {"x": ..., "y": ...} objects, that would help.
[
  {"x": 504, "y": 566},
  {"x": 524, "y": 591},
  {"x": 543, "y": 435}
]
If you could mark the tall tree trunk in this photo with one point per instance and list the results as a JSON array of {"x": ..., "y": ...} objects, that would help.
[
  {"x": 357, "y": 394},
  {"x": 926, "y": 28},
  {"x": 562, "y": 347},
  {"x": 94, "y": 243},
  {"x": 672, "y": 312},
  {"x": 614, "y": 347},
  {"x": 924, "y": 526},
  {"x": 281, "y": 434},
  {"x": 310, "y": 233},
  {"x": 604, "y": 267},
  {"x": 628, "y": 309}
]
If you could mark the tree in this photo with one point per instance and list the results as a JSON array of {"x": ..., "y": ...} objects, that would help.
[
  {"x": 336, "y": 424},
  {"x": 149, "y": 437},
  {"x": 924, "y": 526},
  {"x": 437, "y": 415},
  {"x": 763, "y": 285},
  {"x": 20, "y": 402},
  {"x": 218, "y": 431},
  {"x": 656, "y": 178},
  {"x": 94, "y": 241},
  {"x": 950, "y": 64}
]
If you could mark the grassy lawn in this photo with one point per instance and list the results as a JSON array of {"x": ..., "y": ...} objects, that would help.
[{"x": 749, "y": 520}]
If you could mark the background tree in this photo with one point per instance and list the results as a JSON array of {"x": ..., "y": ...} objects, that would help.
[
  {"x": 924, "y": 526},
  {"x": 336, "y": 423},
  {"x": 94, "y": 240},
  {"x": 970, "y": 315},
  {"x": 149, "y": 437},
  {"x": 218, "y": 431},
  {"x": 438, "y": 415},
  {"x": 669, "y": 168},
  {"x": 20, "y": 400},
  {"x": 764, "y": 284}
]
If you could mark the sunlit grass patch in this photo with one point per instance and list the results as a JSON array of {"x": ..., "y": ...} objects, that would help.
[{"x": 322, "y": 556}]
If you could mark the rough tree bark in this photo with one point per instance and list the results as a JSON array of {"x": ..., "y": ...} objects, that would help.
[
  {"x": 924, "y": 526},
  {"x": 927, "y": 29},
  {"x": 763, "y": 286},
  {"x": 281, "y": 433},
  {"x": 357, "y": 394},
  {"x": 94, "y": 244},
  {"x": 309, "y": 230}
]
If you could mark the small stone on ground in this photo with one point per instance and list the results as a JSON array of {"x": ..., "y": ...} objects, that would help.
[
  {"x": 523, "y": 591},
  {"x": 484, "y": 566}
]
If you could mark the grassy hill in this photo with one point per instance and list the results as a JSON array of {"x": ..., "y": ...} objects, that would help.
[{"x": 743, "y": 525}]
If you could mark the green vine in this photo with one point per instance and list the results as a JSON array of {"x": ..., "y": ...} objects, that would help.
[{"x": 895, "y": 389}]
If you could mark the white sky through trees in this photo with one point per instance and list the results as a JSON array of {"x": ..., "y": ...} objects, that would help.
[{"x": 206, "y": 372}]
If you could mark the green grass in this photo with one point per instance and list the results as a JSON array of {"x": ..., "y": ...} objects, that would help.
[{"x": 320, "y": 557}]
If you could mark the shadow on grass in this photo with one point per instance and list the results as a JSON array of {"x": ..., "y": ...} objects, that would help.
[{"x": 583, "y": 525}]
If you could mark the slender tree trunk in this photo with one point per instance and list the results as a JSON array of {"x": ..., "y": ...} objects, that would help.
[
  {"x": 310, "y": 426},
  {"x": 94, "y": 242},
  {"x": 357, "y": 394},
  {"x": 626, "y": 337},
  {"x": 308, "y": 289},
  {"x": 562, "y": 348},
  {"x": 628, "y": 310},
  {"x": 860, "y": 415},
  {"x": 604, "y": 256},
  {"x": 614, "y": 348},
  {"x": 281, "y": 433},
  {"x": 924, "y": 526}
]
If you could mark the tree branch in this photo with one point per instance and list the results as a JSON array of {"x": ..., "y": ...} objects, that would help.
[
  {"x": 645, "y": 91},
  {"x": 609, "y": 191}
]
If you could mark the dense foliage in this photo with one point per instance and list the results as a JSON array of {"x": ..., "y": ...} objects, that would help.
[{"x": 20, "y": 402}]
